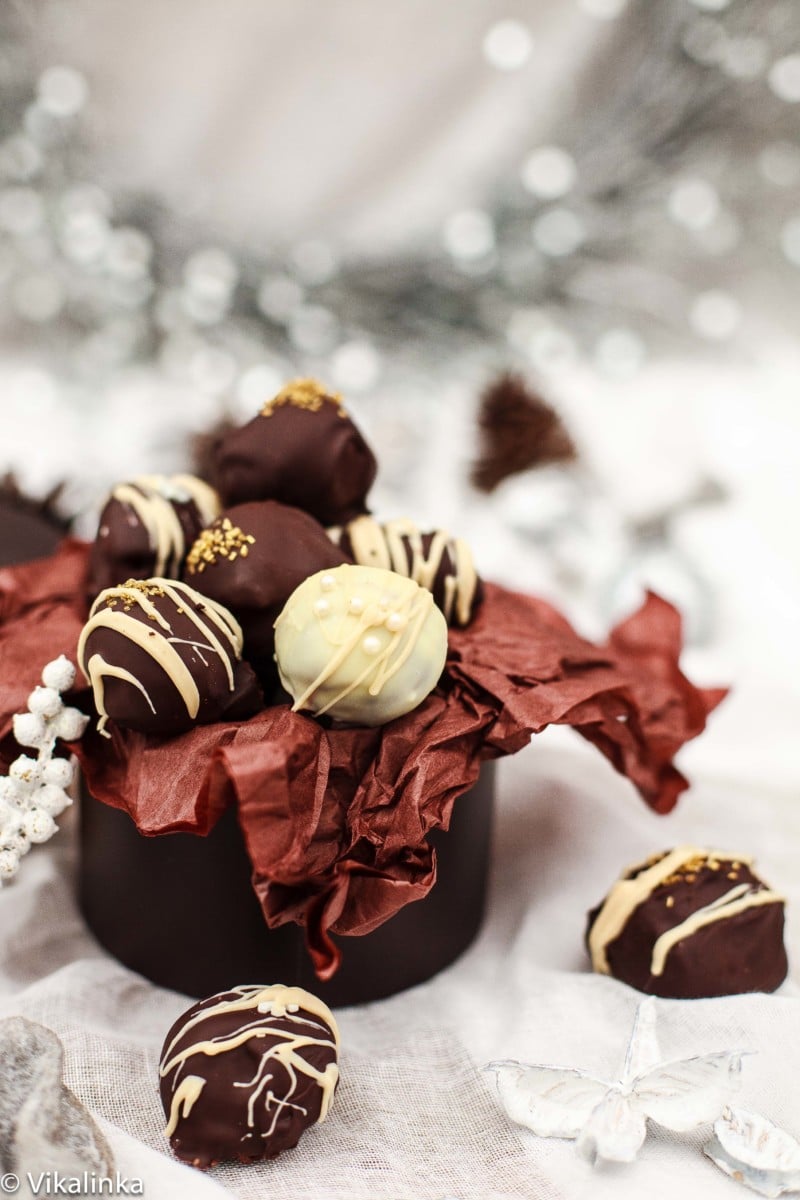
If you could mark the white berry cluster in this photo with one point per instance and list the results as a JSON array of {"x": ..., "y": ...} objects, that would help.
[{"x": 34, "y": 792}]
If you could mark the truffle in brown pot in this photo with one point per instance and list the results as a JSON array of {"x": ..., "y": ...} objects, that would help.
[
  {"x": 147, "y": 525},
  {"x": 690, "y": 923},
  {"x": 251, "y": 560},
  {"x": 436, "y": 561},
  {"x": 302, "y": 450},
  {"x": 161, "y": 658},
  {"x": 244, "y": 1073}
]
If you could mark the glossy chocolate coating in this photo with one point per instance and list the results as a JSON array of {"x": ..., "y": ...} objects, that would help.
[
  {"x": 145, "y": 528},
  {"x": 436, "y": 561},
  {"x": 244, "y": 1073},
  {"x": 250, "y": 560},
  {"x": 162, "y": 658},
  {"x": 302, "y": 450},
  {"x": 742, "y": 952}
]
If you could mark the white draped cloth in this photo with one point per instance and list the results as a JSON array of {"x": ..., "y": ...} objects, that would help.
[{"x": 415, "y": 1118}]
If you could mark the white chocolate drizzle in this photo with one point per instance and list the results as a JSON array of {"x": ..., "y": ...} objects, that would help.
[
  {"x": 388, "y": 546},
  {"x": 184, "y": 1099},
  {"x": 220, "y": 635},
  {"x": 153, "y": 499},
  {"x": 627, "y": 894},
  {"x": 403, "y": 624},
  {"x": 314, "y": 1026},
  {"x": 736, "y": 901}
]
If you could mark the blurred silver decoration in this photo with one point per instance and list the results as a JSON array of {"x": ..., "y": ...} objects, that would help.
[
  {"x": 660, "y": 215},
  {"x": 654, "y": 558},
  {"x": 608, "y": 1121},
  {"x": 620, "y": 229},
  {"x": 43, "y": 1126},
  {"x": 755, "y": 1152},
  {"x": 508, "y": 45},
  {"x": 604, "y": 10}
]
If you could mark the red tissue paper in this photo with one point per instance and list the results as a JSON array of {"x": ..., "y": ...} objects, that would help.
[{"x": 335, "y": 819}]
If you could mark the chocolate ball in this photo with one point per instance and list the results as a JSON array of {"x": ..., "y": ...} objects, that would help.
[
  {"x": 361, "y": 644},
  {"x": 251, "y": 559},
  {"x": 435, "y": 561},
  {"x": 146, "y": 526},
  {"x": 244, "y": 1073},
  {"x": 161, "y": 658},
  {"x": 302, "y": 450},
  {"x": 690, "y": 923}
]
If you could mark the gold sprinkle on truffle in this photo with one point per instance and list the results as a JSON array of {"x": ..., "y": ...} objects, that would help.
[
  {"x": 222, "y": 540},
  {"x": 670, "y": 901},
  {"x": 304, "y": 393}
]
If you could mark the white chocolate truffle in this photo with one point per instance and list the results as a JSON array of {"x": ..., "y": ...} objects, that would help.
[{"x": 362, "y": 644}]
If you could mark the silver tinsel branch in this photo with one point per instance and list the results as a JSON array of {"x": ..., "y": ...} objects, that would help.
[{"x": 665, "y": 198}]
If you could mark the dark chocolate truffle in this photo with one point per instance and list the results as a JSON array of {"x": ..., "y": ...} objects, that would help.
[
  {"x": 161, "y": 658},
  {"x": 690, "y": 923},
  {"x": 246, "y": 1072},
  {"x": 146, "y": 526},
  {"x": 251, "y": 560},
  {"x": 303, "y": 450},
  {"x": 436, "y": 561}
]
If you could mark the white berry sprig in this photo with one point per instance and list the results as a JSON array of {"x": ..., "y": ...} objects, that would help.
[{"x": 34, "y": 792}]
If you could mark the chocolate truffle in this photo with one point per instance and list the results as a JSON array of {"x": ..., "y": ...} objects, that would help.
[
  {"x": 145, "y": 527},
  {"x": 246, "y": 1072},
  {"x": 161, "y": 658},
  {"x": 435, "y": 561},
  {"x": 690, "y": 923},
  {"x": 361, "y": 644},
  {"x": 303, "y": 450},
  {"x": 251, "y": 559}
]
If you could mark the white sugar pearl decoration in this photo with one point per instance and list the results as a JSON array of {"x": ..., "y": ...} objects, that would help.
[
  {"x": 59, "y": 771},
  {"x": 33, "y": 793},
  {"x": 327, "y": 583},
  {"x": 59, "y": 674},
  {"x": 322, "y": 608},
  {"x": 395, "y": 622},
  {"x": 371, "y": 644},
  {"x": 30, "y": 729},
  {"x": 356, "y": 605}
]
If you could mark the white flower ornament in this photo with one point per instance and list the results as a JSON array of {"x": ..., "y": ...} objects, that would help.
[
  {"x": 608, "y": 1121},
  {"x": 34, "y": 792}
]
